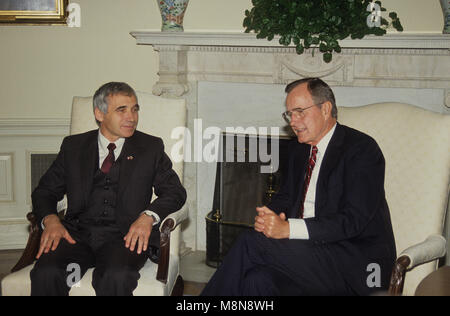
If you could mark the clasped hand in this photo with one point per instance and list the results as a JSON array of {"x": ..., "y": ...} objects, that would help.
[{"x": 271, "y": 224}]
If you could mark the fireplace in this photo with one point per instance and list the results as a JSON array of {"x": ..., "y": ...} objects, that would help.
[{"x": 249, "y": 172}]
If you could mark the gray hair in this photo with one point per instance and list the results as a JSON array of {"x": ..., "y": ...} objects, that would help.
[
  {"x": 100, "y": 99},
  {"x": 320, "y": 92}
]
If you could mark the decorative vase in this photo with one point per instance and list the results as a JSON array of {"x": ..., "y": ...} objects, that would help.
[
  {"x": 172, "y": 14},
  {"x": 445, "y": 4}
]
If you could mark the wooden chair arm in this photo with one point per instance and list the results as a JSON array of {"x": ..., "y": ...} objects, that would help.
[
  {"x": 398, "y": 276},
  {"x": 167, "y": 226},
  {"x": 34, "y": 240},
  {"x": 432, "y": 248},
  {"x": 164, "y": 250},
  {"x": 32, "y": 247}
]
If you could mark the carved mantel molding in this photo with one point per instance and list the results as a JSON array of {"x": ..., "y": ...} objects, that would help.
[
  {"x": 393, "y": 60},
  {"x": 234, "y": 39}
]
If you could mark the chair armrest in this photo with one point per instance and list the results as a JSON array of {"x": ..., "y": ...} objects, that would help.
[
  {"x": 434, "y": 247},
  {"x": 167, "y": 226},
  {"x": 176, "y": 217}
]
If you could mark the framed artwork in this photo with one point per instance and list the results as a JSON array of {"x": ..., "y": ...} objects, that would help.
[{"x": 33, "y": 11}]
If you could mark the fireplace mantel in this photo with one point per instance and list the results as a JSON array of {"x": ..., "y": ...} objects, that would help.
[
  {"x": 393, "y": 60},
  {"x": 221, "y": 74},
  {"x": 234, "y": 39}
]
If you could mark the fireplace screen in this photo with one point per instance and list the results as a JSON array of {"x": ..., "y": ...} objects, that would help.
[{"x": 247, "y": 176}]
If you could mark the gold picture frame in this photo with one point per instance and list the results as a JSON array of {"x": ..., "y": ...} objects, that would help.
[{"x": 32, "y": 12}]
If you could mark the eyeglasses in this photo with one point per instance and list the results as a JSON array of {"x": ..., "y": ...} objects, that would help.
[{"x": 297, "y": 113}]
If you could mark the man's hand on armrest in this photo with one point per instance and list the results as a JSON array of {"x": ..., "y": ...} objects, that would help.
[
  {"x": 139, "y": 233},
  {"x": 52, "y": 234}
]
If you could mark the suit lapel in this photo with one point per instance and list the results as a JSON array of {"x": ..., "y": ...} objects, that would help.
[
  {"x": 330, "y": 160},
  {"x": 128, "y": 159},
  {"x": 297, "y": 179},
  {"x": 89, "y": 164}
]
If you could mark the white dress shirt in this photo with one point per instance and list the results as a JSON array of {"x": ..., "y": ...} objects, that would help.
[
  {"x": 103, "y": 151},
  {"x": 297, "y": 226}
]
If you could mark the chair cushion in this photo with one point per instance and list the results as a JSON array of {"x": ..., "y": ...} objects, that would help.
[{"x": 19, "y": 284}]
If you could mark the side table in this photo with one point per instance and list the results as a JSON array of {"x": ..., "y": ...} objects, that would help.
[{"x": 436, "y": 283}]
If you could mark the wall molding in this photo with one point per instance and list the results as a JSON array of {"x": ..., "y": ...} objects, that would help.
[
  {"x": 6, "y": 172},
  {"x": 13, "y": 233},
  {"x": 26, "y": 126},
  {"x": 19, "y": 137}
]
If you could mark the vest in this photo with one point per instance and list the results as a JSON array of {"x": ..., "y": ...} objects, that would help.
[{"x": 101, "y": 210}]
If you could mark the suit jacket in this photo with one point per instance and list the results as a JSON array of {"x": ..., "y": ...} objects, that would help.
[
  {"x": 352, "y": 217},
  {"x": 143, "y": 166}
]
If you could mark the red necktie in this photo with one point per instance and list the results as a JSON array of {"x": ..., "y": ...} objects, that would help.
[
  {"x": 312, "y": 163},
  {"x": 109, "y": 160}
]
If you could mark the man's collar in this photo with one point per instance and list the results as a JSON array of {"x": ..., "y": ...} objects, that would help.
[
  {"x": 323, "y": 143},
  {"x": 104, "y": 142}
]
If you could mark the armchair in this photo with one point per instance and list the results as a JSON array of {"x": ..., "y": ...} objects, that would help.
[
  {"x": 157, "y": 116},
  {"x": 416, "y": 146}
]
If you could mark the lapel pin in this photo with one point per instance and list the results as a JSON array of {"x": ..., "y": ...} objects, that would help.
[{"x": 130, "y": 158}]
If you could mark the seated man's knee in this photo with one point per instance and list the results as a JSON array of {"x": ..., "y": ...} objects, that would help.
[
  {"x": 259, "y": 281},
  {"x": 250, "y": 238},
  {"x": 114, "y": 281},
  {"x": 48, "y": 278},
  {"x": 46, "y": 270}
]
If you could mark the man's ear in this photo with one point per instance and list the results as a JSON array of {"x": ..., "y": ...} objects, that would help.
[
  {"x": 326, "y": 108},
  {"x": 99, "y": 115}
]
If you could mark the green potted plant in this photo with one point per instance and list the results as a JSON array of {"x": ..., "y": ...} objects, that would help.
[{"x": 317, "y": 23}]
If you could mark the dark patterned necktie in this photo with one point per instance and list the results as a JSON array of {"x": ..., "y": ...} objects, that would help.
[
  {"x": 109, "y": 160},
  {"x": 312, "y": 163}
]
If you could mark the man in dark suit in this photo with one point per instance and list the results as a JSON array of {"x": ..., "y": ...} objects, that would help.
[
  {"x": 328, "y": 230},
  {"x": 110, "y": 223}
]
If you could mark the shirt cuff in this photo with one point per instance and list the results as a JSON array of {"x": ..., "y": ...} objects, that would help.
[
  {"x": 156, "y": 216},
  {"x": 298, "y": 229},
  {"x": 43, "y": 219}
]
